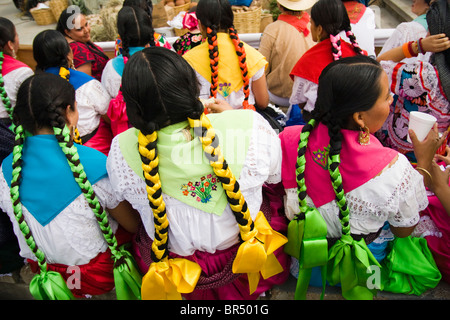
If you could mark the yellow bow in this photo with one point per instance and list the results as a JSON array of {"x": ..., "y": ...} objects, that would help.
[
  {"x": 168, "y": 278},
  {"x": 255, "y": 256},
  {"x": 63, "y": 73}
]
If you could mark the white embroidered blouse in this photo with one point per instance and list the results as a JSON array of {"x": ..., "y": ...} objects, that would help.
[
  {"x": 235, "y": 99},
  {"x": 397, "y": 195},
  {"x": 192, "y": 229},
  {"x": 73, "y": 237}
]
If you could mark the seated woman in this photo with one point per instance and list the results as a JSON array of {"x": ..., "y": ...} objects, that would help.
[
  {"x": 87, "y": 56},
  {"x": 59, "y": 216},
  {"x": 12, "y": 71},
  {"x": 227, "y": 68},
  {"x": 328, "y": 19},
  {"x": 53, "y": 55},
  {"x": 339, "y": 176},
  {"x": 136, "y": 32},
  {"x": 418, "y": 86},
  {"x": 201, "y": 189},
  {"x": 283, "y": 43},
  {"x": 146, "y": 5}
]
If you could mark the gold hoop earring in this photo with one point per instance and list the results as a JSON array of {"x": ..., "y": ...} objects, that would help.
[{"x": 364, "y": 136}]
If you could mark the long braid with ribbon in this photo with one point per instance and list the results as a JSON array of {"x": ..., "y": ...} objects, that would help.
[
  {"x": 355, "y": 44},
  {"x": 181, "y": 275},
  {"x": 257, "y": 236},
  {"x": 3, "y": 94},
  {"x": 240, "y": 51},
  {"x": 166, "y": 278},
  {"x": 126, "y": 277},
  {"x": 336, "y": 46},
  {"x": 46, "y": 285},
  {"x": 213, "y": 48},
  {"x": 307, "y": 231}
]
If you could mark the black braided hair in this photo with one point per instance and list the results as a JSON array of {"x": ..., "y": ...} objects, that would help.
[{"x": 135, "y": 28}]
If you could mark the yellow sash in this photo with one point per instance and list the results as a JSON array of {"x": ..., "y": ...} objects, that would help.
[{"x": 230, "y": 75}]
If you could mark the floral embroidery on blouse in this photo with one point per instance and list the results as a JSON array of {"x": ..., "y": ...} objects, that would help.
[
  {"x": 225, "y": 89},
  {"x": 200, "y": 190},
  {"x": 321, "y": 157}
]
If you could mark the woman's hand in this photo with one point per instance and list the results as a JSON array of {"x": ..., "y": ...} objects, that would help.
[
  {"x": 435, "y": 43},
  {"x": 425, "y": 150},
  {"x": 217, "y": 106},
  {"x": 445, "y": 158}
]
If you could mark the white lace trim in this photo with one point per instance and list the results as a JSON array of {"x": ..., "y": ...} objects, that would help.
[
  {"x": 396, "y": 196},
  {"x": 426, "y": 227}
]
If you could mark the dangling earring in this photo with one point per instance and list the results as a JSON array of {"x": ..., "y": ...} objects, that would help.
[
  {"x": 14, "y": 55},
  {"x": 364, "y": 136}
]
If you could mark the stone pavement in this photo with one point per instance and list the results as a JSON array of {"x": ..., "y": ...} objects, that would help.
[{"x": 15, "y": 287}]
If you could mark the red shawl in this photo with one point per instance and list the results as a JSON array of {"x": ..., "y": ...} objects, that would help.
[
  {"x": 355, "y": 10},
  {"x": 314, "y": 60},
  {"x": 11, "y": 64},
  {"x": 298, "y": 22}
]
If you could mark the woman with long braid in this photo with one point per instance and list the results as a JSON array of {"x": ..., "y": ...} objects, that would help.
[
  {"x": 53, "y": 55},
  {"x": 227, "y": 68},
  {"x": 12, "y": 71},
  {"x": 197, "y": 182},
  {"x": 136, "y": 32},
  {"x": 328, "y": 19},
  {"x": 56, "y": 194},
  {"x": 340, "y": 179}
]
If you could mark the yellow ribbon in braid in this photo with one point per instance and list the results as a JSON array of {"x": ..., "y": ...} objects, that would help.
[
  {"x": 165, "y": 278},
  {"x": 65, "y": 73},
  {"x": 255, "y": 255}
]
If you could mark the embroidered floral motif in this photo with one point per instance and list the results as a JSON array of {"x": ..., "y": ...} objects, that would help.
[
  {"x": 200, "y": 190},
  {"x": 225, "y": 89},
  {"x": 321, "y": 157}
]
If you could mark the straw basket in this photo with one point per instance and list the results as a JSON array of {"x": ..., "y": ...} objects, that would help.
[
  {"x": 184, "y": 7},
  {"x": 43, "y": 16},
  {"x": 248, "y": 21},
  {"x": 57, "y": 6}
]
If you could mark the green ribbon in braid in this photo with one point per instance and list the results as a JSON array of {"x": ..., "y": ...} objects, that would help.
[
  {"x": 348, "y": 261},
  {"x": 308, "y": 230},
  {"x": 127, "y": 278},
  {"x": 47, "y": 285}
]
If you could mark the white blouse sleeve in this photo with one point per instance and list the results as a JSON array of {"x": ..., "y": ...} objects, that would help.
[
  {"x": 111, "y": 80},
  {"x": 304, "y": 91},
  {"x": 12, "y": 82}
]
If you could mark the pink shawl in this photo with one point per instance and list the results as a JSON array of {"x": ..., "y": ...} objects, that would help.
[{"x": 358, "y": 165}]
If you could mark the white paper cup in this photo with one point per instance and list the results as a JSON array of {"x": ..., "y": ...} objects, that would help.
[{"x": 421, "y": 123}]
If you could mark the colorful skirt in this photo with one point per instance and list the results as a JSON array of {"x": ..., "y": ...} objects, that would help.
[{"x": 217, "y": 281}]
